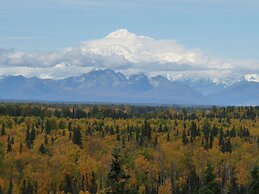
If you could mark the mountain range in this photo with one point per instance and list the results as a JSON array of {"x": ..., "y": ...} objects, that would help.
[{"x": 109, "y": 86}]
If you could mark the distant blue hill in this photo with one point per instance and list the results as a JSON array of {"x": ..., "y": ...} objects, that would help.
[{"x": 114, "y": 87}]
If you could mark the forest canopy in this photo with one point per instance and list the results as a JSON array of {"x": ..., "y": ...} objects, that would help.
[{"x": 80, "y": 148}]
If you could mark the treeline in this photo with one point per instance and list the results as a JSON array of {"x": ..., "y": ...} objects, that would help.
[{"x": 125, "y": 111}]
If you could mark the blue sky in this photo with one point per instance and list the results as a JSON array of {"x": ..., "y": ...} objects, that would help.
[
  {"x": 191, "y": 38},
  {"x": 224, "y": 28}
]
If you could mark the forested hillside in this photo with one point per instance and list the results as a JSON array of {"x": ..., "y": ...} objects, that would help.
[{"x": 59, "y": 148}]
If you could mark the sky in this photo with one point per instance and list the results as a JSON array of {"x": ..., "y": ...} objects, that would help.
[{"x": 223, "y": 31}]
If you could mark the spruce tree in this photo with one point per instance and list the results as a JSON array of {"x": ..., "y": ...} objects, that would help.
[
  {"x": 117, "y": 178},
  {"x": 118, "y": 137},
  {"x": 3, "y": 130},
  {"x": 93, "y": 186},
  {"x": 20, "y": 148},
  {"x": 254, "y": 186},
  {"x": 156, "y": 141},
  {"x": 210, "y": 186},
  {"x": 42, "y": 149},
  {"x": 77, "y": 137},
  {"x": 28, "y": 138},
  {"x": 68, "y": 185},
  {"x": 228, "y": 146},
  {"x": 184, "y": 138},
  {"x": 83, "y": 183},
  {"x": 9, "y": 144},
  {"x": 1, "y": 155},
  {"x": 29, "y": 189},
  {"x": 33, "y": 134},
  {"x": 46, "y": 140},
  {"x": 10, "y": 189},
  {"x": 47, "y": 127}
]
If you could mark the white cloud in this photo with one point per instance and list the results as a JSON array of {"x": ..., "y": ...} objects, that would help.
[{"x": 125, "y": 52}]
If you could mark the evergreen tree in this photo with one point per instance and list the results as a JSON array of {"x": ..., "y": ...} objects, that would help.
[
  {"x": 29, "y": 189},
  {"x": 233, "y": 183},
  {"x": 184, "y": 138},
  {"x": 211, "y": 140},
  {"x": 221, "y": 140},
  {"x": 9, "y": 144},
  {"x": 46, "y": 140},
  {"x": 228, "y": 146},
  {"x": 28, "y": 138},
  {"x": 117, "y": 178},
  {"x": 33, "y": 134},
  {"x": 111, "y": 131},
  {"x": 68, "y": 185},
  {"x": 20, "y": 148},
  {"x": 83, "y": 183},
  {"x": 3, "y": 130},
  {"x": 12, "y": 140},
  {"x": 210, "y": 185},
  {"x": 254, "y": 186},
  {"x": 160, "y": 129},
  {"x": 77, "y": 137},
  {"x": 146, "y": 130},
  {"x": 137, "y": 134},
  {"x": 10, "y": 189},
  {"x": 123, "y": 141},
  {"x": 156, "y": 141},
  {"x": 1, "y": 155},
  {"x": 103, "y": 134},
  {"x": 48, "y": 127},
  {"x": 118, "y": 138},
  {"x": 93, "y": 186},
  {"x": 193, "y": 129},
  {"x": 69, "y": 126},
  {"x": 42, "y": 149},
  {"x": 52, "y": 140}
]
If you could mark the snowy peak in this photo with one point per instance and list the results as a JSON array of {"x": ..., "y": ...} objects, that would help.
[
  {"x": 125, "y": 34},
  {"x": 160, "y": 80},
  {"x": 251, "y": 77},
  {"x": 122, "y": 33},
  {"x": 122, "y": 46},
  {"x": 96, "y": 78}
]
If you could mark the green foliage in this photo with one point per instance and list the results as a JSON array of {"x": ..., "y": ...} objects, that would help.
[
  {"x": 42, "y": 149},
  {"x": 10, "y": 188},
  {"x": 77, "y": 137},
  {"x": 210, "y": 186},
  {"x": 117, "y": 178},
  {"x": 254, "y": 186},
  {"x": 27, "y": 188},
  {"x": 93, "y": 188},
  {"x": 1, "y": 156},
  {"x": 3, "y": 129}
]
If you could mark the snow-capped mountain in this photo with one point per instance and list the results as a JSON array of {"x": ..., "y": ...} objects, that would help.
[
  {"x": 128, "y": 53},
  {"x": 251, "y": 77},
  {"x": 114, "y": 87},
  {"x": 127, "y": 47}
]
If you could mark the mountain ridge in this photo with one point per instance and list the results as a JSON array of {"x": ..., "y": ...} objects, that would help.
[{"x": 107, "y": 85}]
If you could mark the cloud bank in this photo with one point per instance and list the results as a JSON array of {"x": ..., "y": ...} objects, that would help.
[{"x": 126, "y": 52}]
